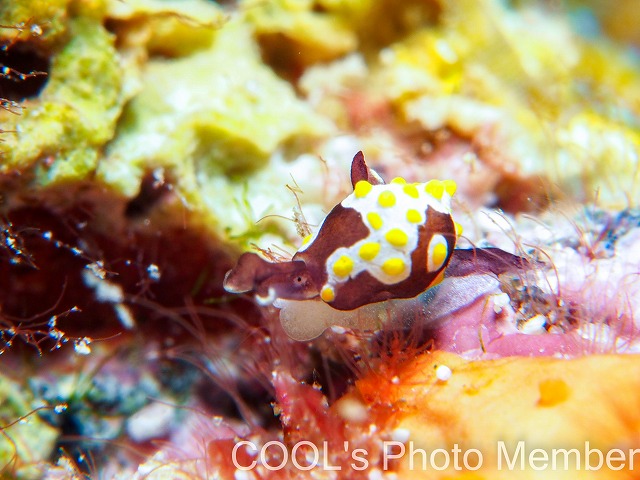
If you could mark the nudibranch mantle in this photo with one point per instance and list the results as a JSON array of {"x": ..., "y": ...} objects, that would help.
[
  {"x": 407, "y": 239},
  {"x": 383, "y": 241}
]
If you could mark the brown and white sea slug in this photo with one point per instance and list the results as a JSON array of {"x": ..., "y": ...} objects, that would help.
[{"x": 382, "y": 242}]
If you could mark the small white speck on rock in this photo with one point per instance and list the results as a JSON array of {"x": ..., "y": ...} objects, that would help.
[
  {"x": 401, "y": 435},
  {"x": 353, "y": 410},
  {"x": 534, "y": 325},
  {"x": 152, "y": 421},
  {"x": 500, "y": 301},
  {"x": 443, "y": 373},
  {"x": 81, "y": 346}
]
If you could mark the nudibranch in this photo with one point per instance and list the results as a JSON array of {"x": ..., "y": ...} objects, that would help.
[{"x": 382, "y": 242}]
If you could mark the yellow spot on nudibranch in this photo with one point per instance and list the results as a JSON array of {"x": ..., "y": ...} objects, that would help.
[
  {"x": 437, "y": 252},
  {"x": 399, "y": 181},
  {"x": 413, "y": 216},
  {"x": 434, "y": 188},
  {"x": 327, "y": 294},
  {"x": 396, "y": 237},
  {"x": 306, "y": 239},
  {"x": 362, "y": 188},
  {"x": 343, "y": 266},
  {"x": 368, "y": 251},
  {"x": 393, "y": 266},
  {"x": 386, "y": 199},
  {"x": 411, "y": 190},
  {"x": 450, "y": 187},
  {"x": 458, "y": 229},
  {"x": 439, "y": 255},
  {"x": 374, "y": 220}
]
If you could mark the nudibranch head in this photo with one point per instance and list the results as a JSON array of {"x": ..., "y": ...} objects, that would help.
[
  {"x": 383, "y": 241},
  {"x": 270, "y": 281}
]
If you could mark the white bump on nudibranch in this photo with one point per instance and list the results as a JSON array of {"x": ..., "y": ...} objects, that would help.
[{"x": 268, "y": 299}]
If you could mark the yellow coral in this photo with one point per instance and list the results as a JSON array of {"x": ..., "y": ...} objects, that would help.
[
  {"x": 524, "y": 75},
  {"x": 76, "y": 112}
]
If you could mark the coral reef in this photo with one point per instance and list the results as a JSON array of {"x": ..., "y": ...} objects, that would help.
[{"x": 146, "y": 144}]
